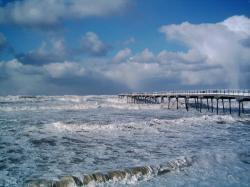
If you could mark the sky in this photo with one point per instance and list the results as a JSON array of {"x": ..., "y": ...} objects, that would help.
[{"x": 80, "y": 47}]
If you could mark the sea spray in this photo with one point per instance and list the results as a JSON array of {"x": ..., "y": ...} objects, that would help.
[{"x": 139, "y": 173}]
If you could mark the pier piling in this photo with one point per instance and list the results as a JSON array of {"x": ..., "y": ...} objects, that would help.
[
  {"x": 223, "y": 107},
  {"x": 217, "y": 107},
  {"x": 212, "y": 104},
  {"x": 200, "y": 104},
  {"x": 230, "y": 110}
]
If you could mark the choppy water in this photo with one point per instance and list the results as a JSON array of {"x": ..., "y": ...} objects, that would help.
[{"x": 51, "y": 137}]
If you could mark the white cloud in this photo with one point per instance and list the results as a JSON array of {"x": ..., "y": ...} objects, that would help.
[
  {"x": 16, "y": 78},
  {"x": 48, "y": 12},
  {"x": 13, "y": 64},
  {"x": 92, "y": 45},
  {"x": 145, "y": 56},
  {"x": 54, "y": 78},
  {"x": 189, "y": 57},
  {"x": 216, "y": 56},
  {"x": 132, "y": 73},
  {"x": 218, "y": 44},
  {"x": 53, "y": 50},
  {"x": 58, "y": 70},
  {"x": 55, "y": 46},
  {"x": 122, "y": 55},
  {"x": 238, "y": 24}
]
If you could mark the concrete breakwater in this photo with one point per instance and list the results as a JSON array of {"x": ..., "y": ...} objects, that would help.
[{"x": 135, "y": 173}]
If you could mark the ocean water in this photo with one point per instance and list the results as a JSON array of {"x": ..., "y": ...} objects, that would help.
[{"x": 48, "y": 137}]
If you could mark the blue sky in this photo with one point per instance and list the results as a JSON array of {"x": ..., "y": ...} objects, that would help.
[{"x": 105, "y": 47}]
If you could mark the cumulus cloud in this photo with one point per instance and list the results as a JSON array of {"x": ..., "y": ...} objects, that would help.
[
  {"x": 122, "y": 55},
  {"x": 58, "y": 70},
  {"x": 17, "y": 78},
  {"x": 143, "y": 69},
  {"x": 53, "y": 79},
  {"x": 218, "y": 55},
  {"x": 55, "y": 50},
  {"x": 189, "y": 57},
  {"x": 133, "y": 74},
  {"x": 50, "y": 51},
  {"x": 218, "y": 44},
  {"x": 145, "y": 56},
  {"x": 50, "y": 12},
  {"x": 92, "y": 45}
]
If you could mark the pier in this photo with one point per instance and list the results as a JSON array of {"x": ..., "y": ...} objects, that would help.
[{"x": 199, "y": 99}]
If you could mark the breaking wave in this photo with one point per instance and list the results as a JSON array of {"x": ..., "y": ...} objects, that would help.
[
  {"x": 124, "y": 176},
  {"x": 151, "y": 126}
]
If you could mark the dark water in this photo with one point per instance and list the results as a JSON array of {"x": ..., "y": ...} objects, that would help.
[{"x": 50, "y": 137}]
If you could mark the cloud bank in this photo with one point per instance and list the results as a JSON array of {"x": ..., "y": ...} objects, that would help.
[
  {"x": 51, "y": 12},
  {"x": 217, "y": 56}
]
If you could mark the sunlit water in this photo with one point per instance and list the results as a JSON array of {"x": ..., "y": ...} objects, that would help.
[{"x": 50, "y": 137}]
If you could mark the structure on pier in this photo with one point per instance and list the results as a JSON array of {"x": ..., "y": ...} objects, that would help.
[{"x": 198, "y": 96}]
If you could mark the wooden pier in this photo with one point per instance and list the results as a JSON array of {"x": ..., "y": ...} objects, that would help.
[{"x": 201, "y": 98}]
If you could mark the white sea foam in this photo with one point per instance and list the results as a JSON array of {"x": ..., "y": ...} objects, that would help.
[
  {"x": 198, "y": 119},
  {"x": 130, "y": 127}
]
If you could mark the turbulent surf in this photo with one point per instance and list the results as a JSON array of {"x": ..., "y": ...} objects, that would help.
[{"x": 105, "y": 141}]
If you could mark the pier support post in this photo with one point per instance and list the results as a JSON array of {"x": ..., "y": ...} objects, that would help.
[
  {"x": 169, "y": 102},
  {"x": 207, "y": 105},
  {"x": 186, "y": 103},
  {"x": 177, "y": 103},
  {"x": 195, "y": 101},
  {"x": 200, "y": 104},
  {"x": 230, "y": 110},
  {"x": 242, "y": 107},
  {"x": 217, "y": 107},
  {"x": 239, "y": 107},
  {"x": 212, "y": 104},
  {"x": 223, "y": 107}
]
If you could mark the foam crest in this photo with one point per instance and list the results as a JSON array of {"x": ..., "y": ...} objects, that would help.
[
  {"x": 96, "y": 128},
  {"x": 200, "y": 119}
]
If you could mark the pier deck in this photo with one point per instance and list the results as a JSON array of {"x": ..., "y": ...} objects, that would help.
[{"x": 198, "y": 97}]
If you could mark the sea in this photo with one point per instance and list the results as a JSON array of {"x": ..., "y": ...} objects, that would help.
[{"x": 43, "y": 139}]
